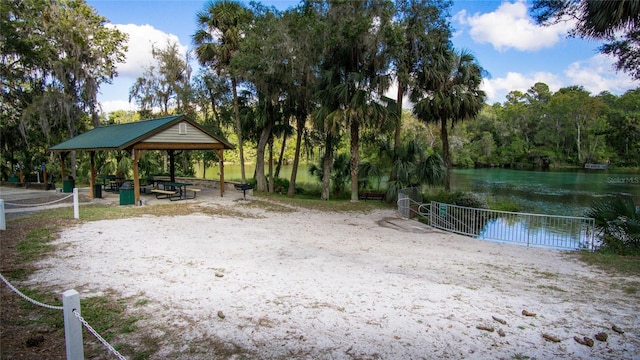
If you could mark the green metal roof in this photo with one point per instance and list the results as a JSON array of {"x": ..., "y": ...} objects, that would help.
[{"x": 121, "y": 136}]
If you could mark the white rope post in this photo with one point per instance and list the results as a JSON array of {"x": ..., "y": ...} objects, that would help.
[
  {"x": 3, "y": 222},
  {"x": 76, "y": 209},
  {"x": 72, "y": 325}
]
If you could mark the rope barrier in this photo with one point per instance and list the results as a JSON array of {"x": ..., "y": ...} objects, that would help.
[
  {"x": 42, "y": 204},
  {"x": 75, "y": 312},
  {"x": 100, "y": 338},
  {"x": 35, "y": 302}
]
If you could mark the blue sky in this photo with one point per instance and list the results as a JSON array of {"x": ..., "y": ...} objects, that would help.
[{"x": 514, "y": 51}]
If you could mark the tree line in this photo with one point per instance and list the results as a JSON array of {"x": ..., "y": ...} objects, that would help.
[
  {"x": 313, "y": 77},
  {"x": 542, "y": 129}
]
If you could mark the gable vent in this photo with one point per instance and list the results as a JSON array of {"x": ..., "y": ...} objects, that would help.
[{"x": 182, "y": 129}]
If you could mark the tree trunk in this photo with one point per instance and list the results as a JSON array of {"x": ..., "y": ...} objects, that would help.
[
  {"x": 296, "y": 158},
  {"x": 396, "y": 137},
  {"x": 578, "y": 142},
  {"x": 236, "y": 111},
  {"x": 445, "y": 155},
  {"x": 216, "y": 116},
  {"x": 355, "y": 158},
  {"x": 281, "y": 156},
  {"x": 72, "y": 164},
  {"x": 271, "y": 183},
  {"x": 261, "y": 181},
  {"x": 326, "y": 168}
]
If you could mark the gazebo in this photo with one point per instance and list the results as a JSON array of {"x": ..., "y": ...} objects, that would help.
[{"x": 166, "y": 133}]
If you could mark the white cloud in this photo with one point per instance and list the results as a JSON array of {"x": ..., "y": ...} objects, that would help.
[
  {"x": 510, "y": 26},
  {"x": 141, "y": 40},
  {"x": 113, "y": 105},
  {"x": 498, "y": 88},
  {"x": 598, "y": 74},
  {"x": 138, "y": 57},
  {"x": 595, "y": 74}
]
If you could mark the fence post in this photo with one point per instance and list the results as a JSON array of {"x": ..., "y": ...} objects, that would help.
[
  {"x": 76, "y": 210},
  {"x": 72, "y": 325},
  {"x": 3, "y": 223}
]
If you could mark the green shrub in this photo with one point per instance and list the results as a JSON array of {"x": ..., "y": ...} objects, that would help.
[
  {"x": 471, "y": 200},
  {"x": 458, "y": 198},
  {"x": 505, "y": 205},
  {"x": 617, "y": 222}
]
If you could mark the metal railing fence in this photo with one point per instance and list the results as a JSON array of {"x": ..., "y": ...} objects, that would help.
[
  {"x": 410, "y": 209},
  {"x": 537, "y": 230}
]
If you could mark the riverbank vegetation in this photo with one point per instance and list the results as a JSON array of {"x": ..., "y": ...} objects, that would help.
[{"x": 618, "y": 225}]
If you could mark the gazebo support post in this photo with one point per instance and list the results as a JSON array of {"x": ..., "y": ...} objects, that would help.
[
  {"x": 136, "y": 155},
  {"x": 221, "y": 157},
  {"x": 172, "y": 165},
  {"x": 63, "y": 155},
  {"x": 92, "y": 170}
]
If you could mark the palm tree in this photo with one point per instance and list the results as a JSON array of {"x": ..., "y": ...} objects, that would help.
[
  {"x": 421, "y": 25},
  {"x": 356, "y": 62},
  {"x": 618, "y": 222},
  {"x": 339, "y": 172},
  {"x": 218, "y": 41},
  {"x": 448, "y": 88},
  {"x": 412, "y": 166}
]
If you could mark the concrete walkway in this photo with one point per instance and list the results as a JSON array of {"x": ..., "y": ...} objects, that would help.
[{"x": 20, "y": 201}]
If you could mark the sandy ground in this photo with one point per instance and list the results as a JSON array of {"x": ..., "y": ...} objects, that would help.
[{"x": 318, "y": 285}]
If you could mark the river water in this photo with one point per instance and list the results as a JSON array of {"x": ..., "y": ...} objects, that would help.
[
  {"x": 568, "y": 192},
  {"x": 548, "y": 192}
]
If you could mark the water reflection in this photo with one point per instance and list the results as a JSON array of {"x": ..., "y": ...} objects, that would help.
[
  {"x": 524, "y": 232},
  {"x": 548, "y": 192}
]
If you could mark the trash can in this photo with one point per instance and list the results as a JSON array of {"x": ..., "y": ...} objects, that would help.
[
  {"x": 97, "y": 191},
  {"x": 68, "y": 185},
  {"x": 127, "y": 195}
]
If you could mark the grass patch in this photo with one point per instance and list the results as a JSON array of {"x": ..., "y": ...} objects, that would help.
[
  {"x": 551, "y": 287},
  {"x": 545, "y": 274},
  {"x": 107, "y": 315},
  {"x": 270, "y": 206},
  {"x": 630, "y": 287},
  {"x": 339, "y": 205},
  {"x": 611, "y": 263},
  {"x": 36, "y": 244},
  {"x": 141, "y": 302},
  {"x": 520, "y": 357}
]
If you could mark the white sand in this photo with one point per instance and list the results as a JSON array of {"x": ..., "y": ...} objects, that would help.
[{"x": 315, "y": 285}]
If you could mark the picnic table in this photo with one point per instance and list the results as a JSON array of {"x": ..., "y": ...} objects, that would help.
[
  {"x": 174, "y": 191},
  {"x": 111, "y": 182}
]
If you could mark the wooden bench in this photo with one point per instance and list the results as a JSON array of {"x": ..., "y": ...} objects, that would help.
[
  {"x": 163, "y": 194},
  {"x": 373, "y": 196},
  {"x": 195, "y": 191}
]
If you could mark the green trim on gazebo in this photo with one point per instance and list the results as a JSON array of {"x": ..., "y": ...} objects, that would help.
[{"x": 123, "y": 136}]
